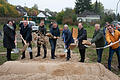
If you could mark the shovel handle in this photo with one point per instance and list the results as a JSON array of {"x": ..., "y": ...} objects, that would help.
[{"x": 23, "y": 40}]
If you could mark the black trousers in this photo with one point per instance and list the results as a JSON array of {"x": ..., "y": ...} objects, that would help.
[
  {"x": 45, "y": 49},
  {"x": 53, "y": 47},
  {"x": 9, "y": 54},
  {"x": 68, "y": 53},
  {"x": 30, "y": 53},
  {"x": 82, "y": 54}
]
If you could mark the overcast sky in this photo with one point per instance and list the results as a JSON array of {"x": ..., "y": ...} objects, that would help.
[{"x": 58, "y": 5}]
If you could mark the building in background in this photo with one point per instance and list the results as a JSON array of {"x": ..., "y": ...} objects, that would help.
[{"x": 88, "y": 16}]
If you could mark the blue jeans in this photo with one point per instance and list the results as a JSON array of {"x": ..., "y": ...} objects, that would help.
[
  {"x": 53, "y": 47},
  {"x": 99, "y": 55},
  {"x": 111, "y": 52}
]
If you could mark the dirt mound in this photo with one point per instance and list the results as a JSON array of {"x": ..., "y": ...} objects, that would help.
[{"x": 55, "y": 71}]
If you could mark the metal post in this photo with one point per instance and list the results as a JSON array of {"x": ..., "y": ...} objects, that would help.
[{"x": 117, "y": 9}]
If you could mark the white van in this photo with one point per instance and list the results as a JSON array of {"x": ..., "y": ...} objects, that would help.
[{"x": 33, "y": 25}]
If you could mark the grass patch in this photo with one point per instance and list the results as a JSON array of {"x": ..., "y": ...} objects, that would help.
[
  {"x": 2, "y": 49},
  {"x": 90, "y": 31},
  {"x": 1, "y": 27},
  {"x": 4, "y": 59},
  {"x": 13, "y": 56},
  {"x": 92, "y": 55}
]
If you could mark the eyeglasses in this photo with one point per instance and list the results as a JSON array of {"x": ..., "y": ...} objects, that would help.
[{"x": 109, "y": 28}]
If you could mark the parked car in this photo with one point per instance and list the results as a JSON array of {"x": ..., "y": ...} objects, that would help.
[
  {"x": 35, "y": 28},
  {"x": 115, "y": 23},
  {"x": 32, "y": 25}
]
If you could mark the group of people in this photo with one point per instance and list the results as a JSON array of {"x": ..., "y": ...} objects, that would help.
[
  {"x": 103, "y": 38},
  {"x": 109, "y": 35}
]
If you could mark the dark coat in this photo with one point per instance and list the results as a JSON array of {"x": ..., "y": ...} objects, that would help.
[
  {"x": 67, "y": 36},
  {"x": 82, "y": 35},
  {"x": 50, "y": 26},
  {"x": 9, "y": 37},
  {"x": 42, "y": 29},
  {"x": 55, "y": 32},
  {"x": 26, "y": 33},
  {"x": 0, "y": 33},
  {"x": 98, "y": 38}
]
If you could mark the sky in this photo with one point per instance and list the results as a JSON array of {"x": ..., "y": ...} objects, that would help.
[{"x": 58, "y": 5}]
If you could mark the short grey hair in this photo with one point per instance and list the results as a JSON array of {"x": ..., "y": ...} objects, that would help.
[{"x": 66, "y": 25}]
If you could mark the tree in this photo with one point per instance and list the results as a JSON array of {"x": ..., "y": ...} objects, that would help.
[
  {"x": 98, "y": 7},
  {"x": 2, "y": 2},
  {"x": 118, "y": 17},
  {"x": 35, "y": 7},
  {"x": 59, "y": 17},
  {"x": 7, "y": 10},
  {"x": 82, "y": 5},
  {"x": 47, "y": 10},
  {"x": 96, "y": 10},
  {"x": 67, "y": 17}
]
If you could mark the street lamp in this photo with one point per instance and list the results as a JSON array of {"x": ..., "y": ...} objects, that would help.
[{"x": 117, "y": 9}]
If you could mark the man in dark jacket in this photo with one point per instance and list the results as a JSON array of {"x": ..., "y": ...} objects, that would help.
[
  {"x": 50, "y": 25},
  {"x": 56, "y": 33},
  {"x": 82, "y": 35},
  {"x": 98, "y": 39},
  {"x": 104, "y": 32},
  {"x": 9, "y": 38},
  {"x": 68, "y": 39},
  {"x": 25, "y": 31},
  {"x": 42, "y": 30},
  {"x": 0, "y": 33}
]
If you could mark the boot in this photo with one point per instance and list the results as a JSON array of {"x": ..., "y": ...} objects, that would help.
[
  {"x": 67, "y": 59},
  {"x": 68, "y": 56},
  {"x": 23, "y": 55},
  {"x": 38, "y": 54},
  {"x": 31, "y": 56},
  {"x": 45, "y": 52},
  {"x": 52, "y": 55},
  {"x": 9, "y": 57},
  {"x": 44, "y": 56},
  {"x": 82, "y": 60}
]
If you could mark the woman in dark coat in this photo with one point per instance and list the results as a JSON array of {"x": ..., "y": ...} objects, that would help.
[{"x": 9, "y": 38}]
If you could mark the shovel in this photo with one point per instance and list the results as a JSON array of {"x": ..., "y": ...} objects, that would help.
[
  {"x": 15, "y": 50},
  {"x": 25, "y": 47}
]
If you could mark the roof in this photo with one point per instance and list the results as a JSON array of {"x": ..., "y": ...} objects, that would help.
[
  {"x": 41, "y": 14},
  {"x": 87, "y": 13},
  {"x": 21, "y": 9}
]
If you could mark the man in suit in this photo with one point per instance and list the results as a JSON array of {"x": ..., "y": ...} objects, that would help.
[
  {"x": 82, "y": 35},
  {"x": 68, "y": 39},
  {"x": 42, "y": 30},
  {"x": 56, "y": 34},
  {"x": 26, "y": 33}
]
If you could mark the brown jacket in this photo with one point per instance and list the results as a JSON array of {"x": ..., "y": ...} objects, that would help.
[{"x": 110, "y": 38}]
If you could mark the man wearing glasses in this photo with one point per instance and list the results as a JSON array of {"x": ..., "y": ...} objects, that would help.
[{"x": 111, "y": 37}]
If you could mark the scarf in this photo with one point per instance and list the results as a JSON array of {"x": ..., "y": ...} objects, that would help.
[{"x": 11, "y": 27}]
